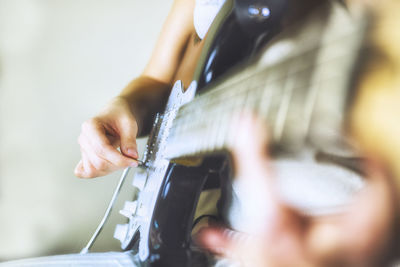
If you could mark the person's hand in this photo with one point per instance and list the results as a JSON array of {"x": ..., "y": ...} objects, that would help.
[
  {"x": 281, "y": 236},
  {"x": 115, "y": 127}
]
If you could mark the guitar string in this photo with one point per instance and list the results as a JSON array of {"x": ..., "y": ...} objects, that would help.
[
  {"x": 219, "y": 90},
  {"x": 249, "y": 73},
  {"x": 249, "y": 90},
  {"x": 250, "y": 99},
  {"x": 302, "y": 53}
]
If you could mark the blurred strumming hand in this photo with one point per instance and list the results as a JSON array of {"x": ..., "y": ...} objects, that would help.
[{"x": 364, "y": 235}]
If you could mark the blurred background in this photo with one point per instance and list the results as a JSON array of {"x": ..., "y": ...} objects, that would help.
[{"x": 60, "y": 62}]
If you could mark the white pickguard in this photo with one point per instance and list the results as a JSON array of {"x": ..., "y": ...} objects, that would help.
[{"x": 148, "y": 179}]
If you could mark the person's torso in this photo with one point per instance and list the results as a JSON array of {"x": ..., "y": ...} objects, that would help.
[{"x": 204, "y": 14}]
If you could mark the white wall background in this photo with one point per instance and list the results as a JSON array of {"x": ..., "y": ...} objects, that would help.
[{"x": 60, "y": 62}]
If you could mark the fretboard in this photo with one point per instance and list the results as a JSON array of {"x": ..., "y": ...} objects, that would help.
[{"x": 299, "y": 85}]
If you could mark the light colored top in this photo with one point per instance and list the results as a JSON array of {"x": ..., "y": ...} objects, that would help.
[{"x": 205, "y": 12}]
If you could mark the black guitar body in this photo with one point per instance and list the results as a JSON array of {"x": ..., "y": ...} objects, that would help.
[{"x": 245, "y": 27}]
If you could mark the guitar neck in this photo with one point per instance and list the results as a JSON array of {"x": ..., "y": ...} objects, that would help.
[{"x": 299, "y": 85}]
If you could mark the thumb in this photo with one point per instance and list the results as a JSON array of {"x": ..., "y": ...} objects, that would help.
[{"x": 128, "y": 131}]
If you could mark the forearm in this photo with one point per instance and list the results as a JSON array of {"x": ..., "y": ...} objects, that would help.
[
  {"x": 148, "y": 93},
  {"x": 146, "y": 96}
]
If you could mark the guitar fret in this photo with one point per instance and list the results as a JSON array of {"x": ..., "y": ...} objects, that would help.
[
  {"x": 221, "y": 133},
  {"x": 265, "y": 101},
  {"x": 214, "y": 116},
  {"x": 283, "y": 110},
  {"x": 308, "y": 108}
]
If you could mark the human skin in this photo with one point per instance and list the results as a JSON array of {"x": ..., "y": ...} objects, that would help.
[
  {"x": 365, "y": 234},
  {"x": 289, "y": 239},
  {"x": 130, "y": 113},
  {"x": 361, "y": 235}
]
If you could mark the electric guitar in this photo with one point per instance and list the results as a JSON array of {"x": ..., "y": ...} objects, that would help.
[{"x": 299, "y": 83}]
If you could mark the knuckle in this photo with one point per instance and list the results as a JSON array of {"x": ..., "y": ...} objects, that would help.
[
  {"x": 89, "y": 174},
  {"x": 85, "y": 126},
  {"x": 100, "y": 164},
  {"x": 128, "y": 121},
  {"x": 93, "y": 121},
  {"x": 100, "y": 151},
  {"x": 121, "y": 162},
  {"x": 103, "y": 166},
  {"x": 80, "y": 140},
  {"x": 88, "y": 124},
  {"x": 78, "y": 173},
  {"x": 83, "y": 173}
]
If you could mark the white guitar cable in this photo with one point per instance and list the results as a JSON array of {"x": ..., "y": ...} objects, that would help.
[{"x": 107, "y": 213}]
